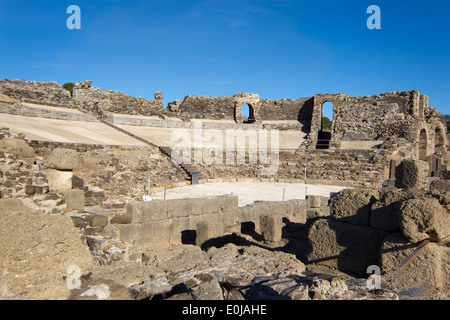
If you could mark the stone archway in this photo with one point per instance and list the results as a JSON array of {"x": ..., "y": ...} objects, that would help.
[
  {"x": 248, "y": 113},
  {"x": 245, "y": 99},
  {"x": 324, "y": 136},
  {"x": 423, "y": 145}
]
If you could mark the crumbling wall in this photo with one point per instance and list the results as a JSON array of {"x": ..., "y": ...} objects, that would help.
[
  {"x": 337, "y": 167},
  {"x": 200, "y": 107},
  {"x": 47, "y": 93},
  {"x": 110, "y": 101},
  {"x": 287, "y": 109}
]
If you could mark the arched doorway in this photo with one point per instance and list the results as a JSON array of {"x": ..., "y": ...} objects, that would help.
[
  {"x": 326, "y": 121},
  {"x": 423, "y": 145},
  {"x": 247, "y": 114}
]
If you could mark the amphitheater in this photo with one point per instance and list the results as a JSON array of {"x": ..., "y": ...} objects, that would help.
[{"x": 137, "y": 182}]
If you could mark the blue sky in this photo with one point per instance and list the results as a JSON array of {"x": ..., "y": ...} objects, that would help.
[{"x": 276, "y": 48}]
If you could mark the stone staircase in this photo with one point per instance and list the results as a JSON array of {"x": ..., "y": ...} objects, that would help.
[
  {"x": 188, "y": 168},
  {"x": 323, "y": 141}
]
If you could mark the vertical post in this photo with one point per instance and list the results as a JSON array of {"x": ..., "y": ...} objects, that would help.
[
  {"x": 306, "y": 192},
  {"x": 284, "y": 190}
]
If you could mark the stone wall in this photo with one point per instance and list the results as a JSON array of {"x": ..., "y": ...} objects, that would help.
[
  {"x": 48, "y": 93},
  {"x": 199, "y": 107},
  {"x": 160, "y": 223},
  {"x": 109, "y": 101},
  {"x": 163, "y": 223},
  {"x": 49, "y": 113},
  {"x": 287, "y": 109},
  {"x": 339, "y": 167}
]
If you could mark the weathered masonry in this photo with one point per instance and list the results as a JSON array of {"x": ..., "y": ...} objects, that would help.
[
  {"x": 162, "y": 223},
  {"x": 369, "y": 135}
]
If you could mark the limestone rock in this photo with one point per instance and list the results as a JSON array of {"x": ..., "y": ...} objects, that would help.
[
  {"x": 86, "y": 84},
  {"x": 427, "y": 272},
  {"x": 353, "y": 205},
  {"x": 74, "y": 199},
  {"x": 62, "y": 159},
  {"x": 424, "y": 218},
  {"x": 17, "y": 146},
  {"x": 38, "y": 250},
  {"x": 208, "y": 290},
  {"x": 59, "y": 180},
  {"x": 385, "y": 213},
  {"x": 345, "y": 246},
  {"x": 6, "y": 99},
  {"x": 412, "y": 174}
]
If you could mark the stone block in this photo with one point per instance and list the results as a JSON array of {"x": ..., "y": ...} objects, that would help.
[
  {"x": 260, "y": 208},
  {"x": 178, "y": 225},
  {"x": 298, "y": 211},
  {"x": 278, "y": 207},
  {"x": 62, "y": 159},
  {"x": 74, "y": 199},
  {"x": 96, "y": 220},
  {"x": 427, "y": 271},
  {"x": 155, "y": 229},
  {"x": 147, "y": 211},
  {"x": 385, "y": 213},
  {"x": 77, "y": 183},
  {"x": 271, "y": 227},
  {"x": 345, "y": 246},
  {"x": 59, "y": 180},
  {"x": 208, "y": 230},
  {"x": 314, "y": 201},
  {"x": 30, "y": 190},
  {"x": 230, "y": 203},
  {"x": 424, "y": 218},
  {"x": 412, "y": 174},
  {"x": 184, "y": 207},
  {"x": 18, "y": 147},
  {"x": 318, "y": 212},
  {"x": 353, "y": 205},
  {"x": 212, "y": 205}
]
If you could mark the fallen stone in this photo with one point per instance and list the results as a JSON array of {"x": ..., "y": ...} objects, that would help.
[
  {"x": 428, "y": 271},
  {"x": 412, "y": 174},
  {"x": 271, "y": 227},
  {"x": 424, "y": 218},
  {"x": 208, "y": 290},
  {"x": 74, "y": 199},
  {"x": 345, "y": 246},
  {"x": 353, "y": 205},
  {"x": 39, "y": 250},
  {"x": 385, "y": 213}
]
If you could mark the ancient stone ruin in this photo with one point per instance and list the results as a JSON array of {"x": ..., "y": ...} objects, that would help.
[{"x": 84, "y": 213}]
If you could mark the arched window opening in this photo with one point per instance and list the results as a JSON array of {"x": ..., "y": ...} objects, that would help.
[
  {"x": 247, "y": 114},
  {"x": 327, "y": 115}
]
